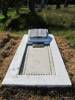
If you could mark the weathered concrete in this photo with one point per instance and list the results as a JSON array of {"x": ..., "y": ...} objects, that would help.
[{"x": 38, "y": 61}]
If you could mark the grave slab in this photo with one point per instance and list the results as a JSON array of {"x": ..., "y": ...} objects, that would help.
[{"x": 40, "y": 67}]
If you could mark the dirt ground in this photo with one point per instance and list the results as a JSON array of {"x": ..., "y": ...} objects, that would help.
[{"x": 8, "y": 46}]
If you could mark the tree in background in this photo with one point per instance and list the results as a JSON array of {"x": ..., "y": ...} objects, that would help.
[
  {"x": 58, "y": 4},
  {"x": 31, "y": 5},
  {"x": 4, "y": 5},
  {"x": 44, "y": 3},
  {"x": 66, "y": 3},
  {"x": 17, "y": 4}
]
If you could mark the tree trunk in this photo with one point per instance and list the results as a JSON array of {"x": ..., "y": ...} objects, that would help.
[
  {"x": 66, "y": 3},
  {"x": 42, "y": 3},
  {"x": 17, "y": 10},
  {"x": 4, "y": 12},
  {"x": 32, "y": 5},
  {"x": 58, "y": 4}
]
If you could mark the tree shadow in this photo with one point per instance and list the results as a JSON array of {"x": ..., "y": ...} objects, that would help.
[
  {"x": 3, "y": 20},
  {"x": 33, "y": 20},
  {"x": 26, "y": 21}
]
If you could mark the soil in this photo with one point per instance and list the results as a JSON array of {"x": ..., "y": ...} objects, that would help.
[{"x": 8, "y": 46}]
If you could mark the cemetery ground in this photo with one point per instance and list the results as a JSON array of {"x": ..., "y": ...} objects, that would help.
[{"x": 61, "y": 23}]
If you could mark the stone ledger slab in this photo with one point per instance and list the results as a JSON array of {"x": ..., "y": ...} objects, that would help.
[{"x": 58, "y": 78}]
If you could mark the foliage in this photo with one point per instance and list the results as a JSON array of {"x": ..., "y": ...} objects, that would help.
[{"x": 17, "y": 4}]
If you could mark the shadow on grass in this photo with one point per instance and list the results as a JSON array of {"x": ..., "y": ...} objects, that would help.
[
  {"x": 3, "y": 20},
  {"x": 33, "y": 20},
  {"x": 30, "y": 20},
  {"x": 26, "y": 21}
]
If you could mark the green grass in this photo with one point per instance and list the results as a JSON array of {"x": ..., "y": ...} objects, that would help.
[
  {"x": 58, "y": 21},
  {"x": 68, "y": 34}
]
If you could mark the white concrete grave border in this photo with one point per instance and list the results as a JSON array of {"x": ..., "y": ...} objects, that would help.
[{"x": 61, "y": 79}]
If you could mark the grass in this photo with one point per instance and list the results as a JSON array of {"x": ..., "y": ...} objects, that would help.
[
  {"x": 68, "y": 34},
  {"x": 58, "y": 21}
]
